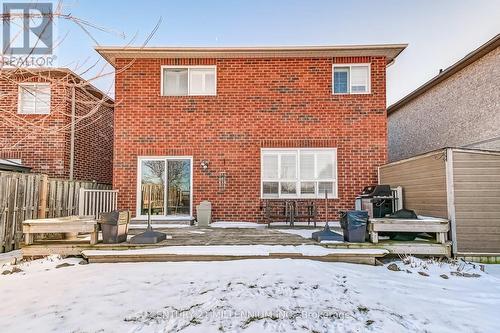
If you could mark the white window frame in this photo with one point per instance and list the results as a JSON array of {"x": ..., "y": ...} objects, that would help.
[
  {"x": 138, "y": 189},
  {"x": 369, "y": 87},
  {"x": 298, "y": 180},
  {"x": 20, "y": 97},
  {"x": 164, "y": 67}
]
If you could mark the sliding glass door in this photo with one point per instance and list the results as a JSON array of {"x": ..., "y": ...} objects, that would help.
[
  {"x": 178, "y": 187},
  {"x": 152, "y": 187},
  {"x": 164, "y": 186}
]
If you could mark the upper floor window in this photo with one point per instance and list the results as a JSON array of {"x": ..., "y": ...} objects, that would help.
[
  {"x": 299, "y": 173},
  {"x": 34, "y": 98},
  {"x": 189, "y": 80},
  {"x": 351, "y": 79}
]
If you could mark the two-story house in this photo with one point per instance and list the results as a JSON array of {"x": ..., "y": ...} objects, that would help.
[
  {"x": 239, "y": 126},
  {"x": 56, "y": 123}
]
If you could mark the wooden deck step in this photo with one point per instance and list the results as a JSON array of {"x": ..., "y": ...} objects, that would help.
[
  {"x": 421, "y": 248},
  {"x": 225, "y": 253}
]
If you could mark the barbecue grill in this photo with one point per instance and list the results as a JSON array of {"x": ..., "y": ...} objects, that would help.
[{"x": 377, "y": 200}]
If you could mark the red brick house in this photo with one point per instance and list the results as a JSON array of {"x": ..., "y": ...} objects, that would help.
[
  {"x": 37, "y": 109},
  {"x": 239, "y": 126}
]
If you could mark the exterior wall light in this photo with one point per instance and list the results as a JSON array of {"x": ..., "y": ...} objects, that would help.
[{"x": 204, "y": 165}]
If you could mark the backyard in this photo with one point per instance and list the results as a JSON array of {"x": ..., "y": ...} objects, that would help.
[{"x": 68, "y": 295}]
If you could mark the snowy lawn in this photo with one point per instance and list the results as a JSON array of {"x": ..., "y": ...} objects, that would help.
[
  {"x": 238, "y": 225},
  {"x": 304, "y": 233},
  {"x": 248, "y": 296}
]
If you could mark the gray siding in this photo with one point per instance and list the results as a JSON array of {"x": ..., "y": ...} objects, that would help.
[
  {"x": 424, "y": 183},
  {"x": 476, "y": 178},
  {"x": 461, "y": 111}
]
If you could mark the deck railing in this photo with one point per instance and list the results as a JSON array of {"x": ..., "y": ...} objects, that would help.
[
  {"x": 397, "y": 194},
  {"x": 94, "y": 202}
]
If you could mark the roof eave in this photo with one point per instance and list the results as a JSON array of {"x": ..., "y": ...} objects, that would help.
[
  {"x": 390, "y": 51},
  {"x": 65, "y": 70},
  {"x": 456, "y": 67}
]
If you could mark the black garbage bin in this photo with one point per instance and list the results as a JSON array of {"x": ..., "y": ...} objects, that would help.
[
  {"x": 353, "y": 225},
  {"x": 114, "y": 226}
]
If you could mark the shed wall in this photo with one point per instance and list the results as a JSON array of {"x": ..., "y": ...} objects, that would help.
[
  {"x": 424, "y": 183},
  {"x": 476, "y": 178}
]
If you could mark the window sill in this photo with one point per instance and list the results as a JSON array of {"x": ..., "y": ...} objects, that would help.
[
  {"x": 348, "y": 94},
  {"x": 33, "y": 114}
]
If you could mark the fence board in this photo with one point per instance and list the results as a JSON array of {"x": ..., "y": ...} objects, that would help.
[
  {"x": 30, "y": 196},
  {"x": 3, "y": 207},
  {"x": 10, "y": 213},
  {"x": 19, "y": 211}
]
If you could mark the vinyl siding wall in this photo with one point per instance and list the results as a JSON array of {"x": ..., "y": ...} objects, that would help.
[
  {"x": 476, "y": 178},
  {"x": 423, "y": 180}
]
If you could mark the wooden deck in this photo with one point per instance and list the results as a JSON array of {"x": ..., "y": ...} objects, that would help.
[
  {"x": 188, "y": 236},
  {"x": 193, "y": 236}
]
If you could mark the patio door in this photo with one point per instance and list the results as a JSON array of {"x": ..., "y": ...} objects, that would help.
[{"x": 164, "y": 184}]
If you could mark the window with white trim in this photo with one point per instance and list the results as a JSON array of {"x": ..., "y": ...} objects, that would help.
[
  {"x": 299, "y": 173},
  {"x": 34, "y": 98},
  {"x": 189, "y": 80},
  {"x": 351, "y": 79}
]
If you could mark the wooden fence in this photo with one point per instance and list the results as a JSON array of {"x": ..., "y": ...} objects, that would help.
[{"x": 29, "y": 196}]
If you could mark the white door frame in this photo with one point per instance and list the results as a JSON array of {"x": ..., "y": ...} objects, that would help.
[{"x": 138, "y": 187}]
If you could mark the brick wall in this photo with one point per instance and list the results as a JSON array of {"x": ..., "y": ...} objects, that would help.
[
  {"x": 93, "y": 139},
  {"x": 42, "y": 142},
  {"x": 260, "y": 103}
]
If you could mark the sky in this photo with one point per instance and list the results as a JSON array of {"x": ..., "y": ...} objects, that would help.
[{"x": 439, "y": 32}]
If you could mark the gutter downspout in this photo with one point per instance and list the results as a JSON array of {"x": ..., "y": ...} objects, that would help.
[{"x": 72, "y": 139}]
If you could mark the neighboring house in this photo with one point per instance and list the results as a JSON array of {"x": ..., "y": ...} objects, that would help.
[
  {"x": 36, "y": 109},
  {"x": 239, "y": 126},
  {"x": 13, "y": 165},
  {"x": 458, "y": 108}
]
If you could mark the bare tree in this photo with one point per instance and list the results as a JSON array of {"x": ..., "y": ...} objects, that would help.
[
  {"x": 19, "y": 75},
  {"x": 156, "y": 171}
]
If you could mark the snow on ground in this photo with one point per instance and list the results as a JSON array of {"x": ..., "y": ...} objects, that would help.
[
  {"x": 8, "y": 257},
  {"x": 228, "y": 224},
  {"x": 307, "y": 233},
  {"x": 247, "y": 296},
  {"x": 304, "y": 233},
  {"x": 158, "y": 225},
  {"x": 493, "y": 270},
  {"x": 196, "y": 232},
  {"x": 237, "y": 250}
]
